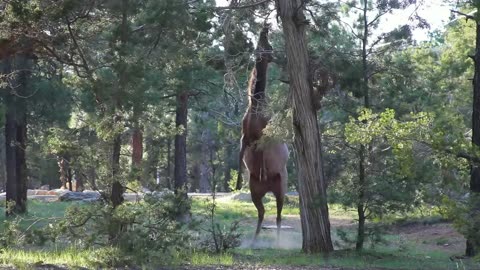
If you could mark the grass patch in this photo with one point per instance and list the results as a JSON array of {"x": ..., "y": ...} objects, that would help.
[
  {"x": 26, "y": 259},
  {"x": 204, "y": 259},
  {"x": 400, "y": 253},
  {"x": 37, "y": 210},
  {"x": 229, "y": 209}
]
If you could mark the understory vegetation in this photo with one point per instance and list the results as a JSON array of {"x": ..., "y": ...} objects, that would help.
[{"x": 50, "y": 235}]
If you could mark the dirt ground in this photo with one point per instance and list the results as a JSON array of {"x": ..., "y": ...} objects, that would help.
[{"x": 439, "y": 236}]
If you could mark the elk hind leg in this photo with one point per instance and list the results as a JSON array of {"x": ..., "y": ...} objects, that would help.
[
  {"x": 279, "y": 197},
  {"x": 257, "y": 196}
]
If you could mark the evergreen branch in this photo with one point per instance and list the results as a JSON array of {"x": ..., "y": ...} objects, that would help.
[
  {"x": 467, "y": 16},
  {"x": 77, "y": 47},
  {"x": 243, "y": 6},
  {"x": 379, "y": 15}
]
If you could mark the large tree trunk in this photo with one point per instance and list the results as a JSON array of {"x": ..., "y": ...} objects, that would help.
[
  {"x": 11, "y": 155},
  {"x": 180, "y": 168},
  {"x": 473, "y": 243},
  {"x": 16, "y": 133},
  {"x": 307, "y": 144}
]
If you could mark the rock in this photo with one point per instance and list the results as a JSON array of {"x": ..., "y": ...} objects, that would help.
[
  {"x": 60, "y": 191},
  {"x": 244, "y": 197},
  {"x": 45, "y": 187},
  {"x": 80, "y": 196}
]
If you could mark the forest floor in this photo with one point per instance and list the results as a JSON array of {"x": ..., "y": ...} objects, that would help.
[{"x": 420, "y": 240}]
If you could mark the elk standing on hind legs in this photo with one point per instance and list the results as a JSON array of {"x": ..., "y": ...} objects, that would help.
[{"x": 265, "y": 163}]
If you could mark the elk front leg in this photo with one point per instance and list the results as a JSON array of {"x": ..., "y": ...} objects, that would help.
[{"x": 243, "y": 146}]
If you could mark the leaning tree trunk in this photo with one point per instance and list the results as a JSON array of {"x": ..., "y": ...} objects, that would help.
[
  {"x": 473, "y": 243},
  {"x": 307, "y": 145}
]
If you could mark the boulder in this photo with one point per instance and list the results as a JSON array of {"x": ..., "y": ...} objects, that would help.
[
  {"x": 80, "y": 196},
  {"x": 60, "y": 191},
  {"x": 242, "y": 196}
]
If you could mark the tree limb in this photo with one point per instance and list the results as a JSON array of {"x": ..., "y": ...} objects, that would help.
[
  {"x": 467, "y": 16},
  {"x": 243, "y": 6}
]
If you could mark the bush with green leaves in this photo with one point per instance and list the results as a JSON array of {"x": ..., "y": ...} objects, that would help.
[
  {"x": 465, "y": 215},
  {"x": 220, "y": 237},
  {"x": 137, "y": 233}
]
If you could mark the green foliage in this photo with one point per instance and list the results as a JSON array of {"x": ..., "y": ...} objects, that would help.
[
  {"x": 11, "y": 234},
  {"x": 465, "y": 215},
  {"x": 233, "y": 179},
  {"x": 130, "y": 233},
  {"x": 222, "y": 238},
  {"x": 391, "y": 184},
  {"x": 399, "y": 134}
]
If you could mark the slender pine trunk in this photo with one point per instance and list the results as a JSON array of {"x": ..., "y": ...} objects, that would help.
[
  {"x": 473, "y": 243},
  {"x": 364, "y": 149},
  {"x": 117, "y": 190},
  {"x": 116, "y": 195},
  {"x": 361, "y": 201}
]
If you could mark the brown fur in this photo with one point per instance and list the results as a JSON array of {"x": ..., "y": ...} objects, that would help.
[{"x": 266, "y": 165}]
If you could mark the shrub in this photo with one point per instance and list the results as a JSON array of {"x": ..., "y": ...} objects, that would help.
[{"x": 132, "y": 233}]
